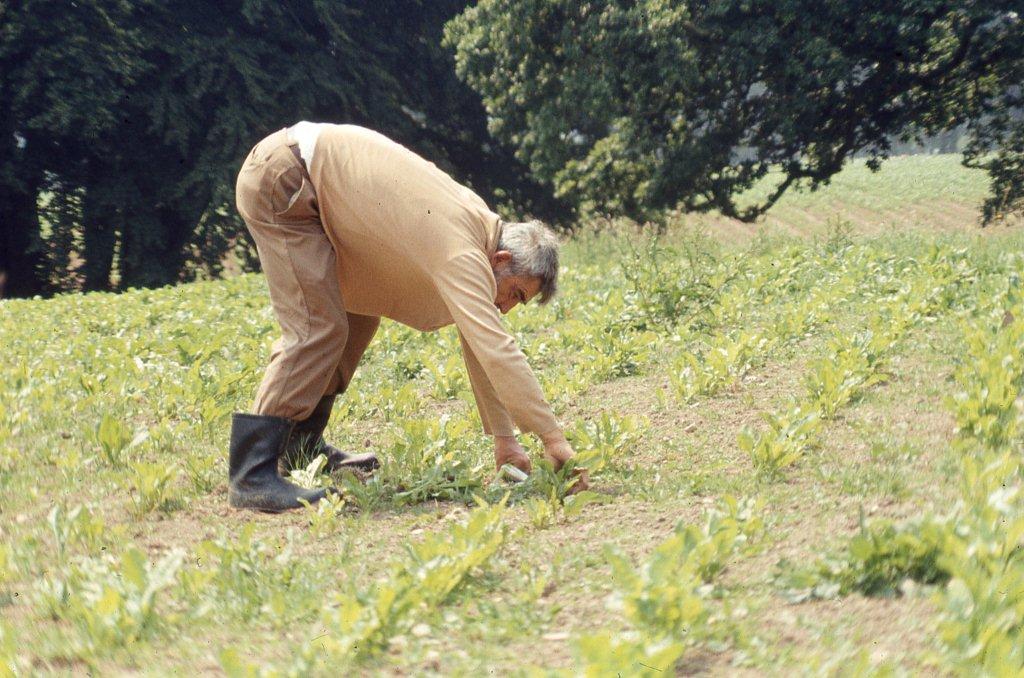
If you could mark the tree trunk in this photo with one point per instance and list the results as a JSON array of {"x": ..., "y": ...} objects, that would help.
[
  {"x": 99, "y": 229},
  {"x": 158, "y": 257},
  {"x": 22, "y": 263}
]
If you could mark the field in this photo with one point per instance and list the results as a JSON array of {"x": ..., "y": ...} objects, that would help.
[{"x": 804, "y": 440}]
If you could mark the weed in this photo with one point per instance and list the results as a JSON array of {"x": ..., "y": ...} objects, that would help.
[
  {"x": 428, "y": 461},
  {"x": 114, "y": 439},
  {"x": 363, "y": 623},
  {"x": 788, "y": 437},
  {"x": 609, "y": 437},
  {"x": 79, "y": 526},
  {"x": 664, "y": 292},
  {"x": 311, "y": 475},
  {"x": 153, "y": 487},
  {"x": 110, "y": 603},
  {"x": 877, "y": 561},
  {"x": 201, "y": 472}
]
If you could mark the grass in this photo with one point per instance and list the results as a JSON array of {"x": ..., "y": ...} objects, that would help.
[
  {"x": 118, "y": 553},
  {"x": 934, "y": 193}
]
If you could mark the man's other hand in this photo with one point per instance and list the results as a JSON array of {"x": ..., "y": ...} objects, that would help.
[
  {"x": 557, "y": 450},
  {"x": 507, "y": 450}
]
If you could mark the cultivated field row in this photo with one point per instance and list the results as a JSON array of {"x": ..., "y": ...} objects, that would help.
[{"x": 775, "y": 433}]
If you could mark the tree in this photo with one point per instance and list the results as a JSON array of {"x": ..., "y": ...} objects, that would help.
[
  {"x": 126, "y": 122},
  {"x": 634, "y": 107},
  {"x": 62, "y": 74},
  {"x": 998, "y": 147}
]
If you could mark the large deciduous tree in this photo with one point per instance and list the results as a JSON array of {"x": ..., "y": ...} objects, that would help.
[
  {"x": 64, "y": 68},
  {"x": 122, "y": 124},
  {"x": 634, "y": 107}
]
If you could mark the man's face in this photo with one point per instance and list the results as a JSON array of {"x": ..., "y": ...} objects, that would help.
[{"x": 512, "y": 289}]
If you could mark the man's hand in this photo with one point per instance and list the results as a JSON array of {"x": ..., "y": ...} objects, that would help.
[
  {"x": 507, "y": 450},
  {"x": 557, "y": 450}
]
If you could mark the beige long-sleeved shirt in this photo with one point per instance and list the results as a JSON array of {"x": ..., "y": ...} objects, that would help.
[{"x": 414, "y": 245}]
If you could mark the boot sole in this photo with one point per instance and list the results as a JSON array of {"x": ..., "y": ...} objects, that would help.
[
  {"x": 362, "y": 466},
  {"x": 265, "y": 509},
  {"x": 261, "y": 509}
]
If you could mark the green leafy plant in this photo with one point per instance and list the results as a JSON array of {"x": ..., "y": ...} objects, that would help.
[
  {"x": 543, "y": 512},
  {"x": 607, "y": 654},
  {"x": 663, "y": 598},
  {"x": 201, "y": 472},
  {"x": 428, "y": 461},
  {"x": 785, "y": 441},
  {"x": 153, "y": 487},
  {"x": 877, "y": 561},
  {"x": 114, "y": 438},
  {"x": 363, "y": 623},
  {"x": 110, "y": 603},
  {"x": 833, "y": 382},
  {"x": 14, "y": 660},
  {"x": 249, "y": 578},
  {"x": 326, "y": 517},
  {"x": 609, "y": 436},
  {"x": 8, "y": 570},
  {"x": 551, "y": 510},
  {"x": 448, "y": 376},
  {"x": 987, "y": 406},
  {"x": 79, "y": 526},
  {"x": 664, "y": 293},
  {"x": 660, "y": 596},
  {"x": 982, "y": 625},
  {"x": 310, "y": 475},
  {"x": 725, "y": 361}
]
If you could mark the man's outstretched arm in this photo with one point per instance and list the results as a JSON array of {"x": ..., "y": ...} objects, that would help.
[
  {"x": 507, "y": 388},
  {"x": 498, "y": 423}
]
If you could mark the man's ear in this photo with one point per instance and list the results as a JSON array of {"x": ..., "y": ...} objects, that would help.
[{"x": 500, "y": 257}]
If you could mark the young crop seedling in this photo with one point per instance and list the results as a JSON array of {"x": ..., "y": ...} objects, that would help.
[
  {"x": 609, "y": 438},
  {"x": 153, "y": 487},
  {"x": 664, "y": 598},
  {"x": 361, "y": 624},
  {"x": 788, "y": 437},
  {"x": 79, "y": 526},
  {"x": 109, "y": 603},
  {"x": 326, "y": 518}
]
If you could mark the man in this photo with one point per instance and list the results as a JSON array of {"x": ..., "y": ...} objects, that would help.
[{"x": 351, "y": 227}]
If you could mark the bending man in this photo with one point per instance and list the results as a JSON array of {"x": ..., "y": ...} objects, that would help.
[{"x": 351, "y": 227}]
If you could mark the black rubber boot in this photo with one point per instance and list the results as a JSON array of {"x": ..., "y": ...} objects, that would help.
[
  {"x": 307, "y": 441},
  {"x": 253, "y": 481}
]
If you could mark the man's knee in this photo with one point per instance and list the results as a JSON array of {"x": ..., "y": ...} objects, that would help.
[{"x": 329, "y": 338}]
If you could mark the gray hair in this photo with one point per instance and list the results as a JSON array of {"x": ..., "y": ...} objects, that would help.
[{"x": 534, "y": 249}]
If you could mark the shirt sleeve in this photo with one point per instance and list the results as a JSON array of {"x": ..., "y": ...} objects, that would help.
[
  {"x": 493, "y": 414},
  {"x": 466, "y": 284}
]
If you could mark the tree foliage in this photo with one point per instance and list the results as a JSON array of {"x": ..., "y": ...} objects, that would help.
[
  {"x": 998, "y": 147},
  {"x": 122, "y": 124},
  {"x": 634, "y": 107}
]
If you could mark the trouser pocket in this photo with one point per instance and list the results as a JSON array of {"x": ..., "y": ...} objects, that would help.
[{"x": 293, "y": 197}]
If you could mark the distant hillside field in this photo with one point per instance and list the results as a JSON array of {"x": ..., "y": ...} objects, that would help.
[
  {"x": 805, "y": 456},
  {"x": 931, "y": 192}
]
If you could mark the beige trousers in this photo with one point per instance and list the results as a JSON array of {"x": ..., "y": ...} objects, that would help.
[{"x": 321, "y": 344}]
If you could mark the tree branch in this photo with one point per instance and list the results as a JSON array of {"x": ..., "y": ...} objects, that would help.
[{"x": 938, "y": 73}]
